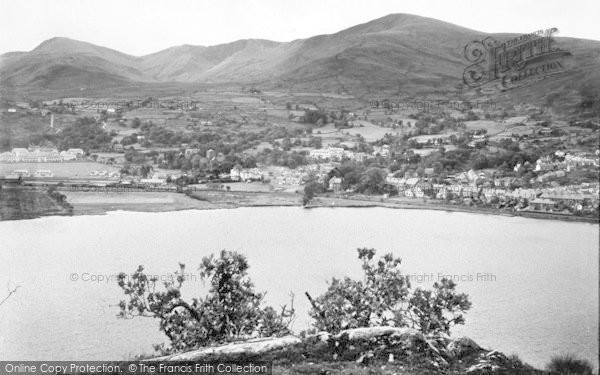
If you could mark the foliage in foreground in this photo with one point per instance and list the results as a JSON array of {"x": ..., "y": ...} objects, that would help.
[
  {"x": 385, "y": 298},
  {"x": 232, "y": 309},
  {"x": 569, "y": 364}
]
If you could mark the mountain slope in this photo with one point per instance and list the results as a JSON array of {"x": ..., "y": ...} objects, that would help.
[
  {"x": 397, "y": 53},
  {"x": 65, "y": 63}
]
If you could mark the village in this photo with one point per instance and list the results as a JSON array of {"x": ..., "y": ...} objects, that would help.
[
  {"x": 513, "y": 160},
  {"x": 470, "y": 188}
]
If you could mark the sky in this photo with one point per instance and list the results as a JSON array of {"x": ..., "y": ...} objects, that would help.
[{"x": 140, "y": 27}]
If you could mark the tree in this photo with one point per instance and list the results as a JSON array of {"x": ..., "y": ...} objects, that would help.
[
  {"x": 372, "y": 182},
  {"x": 384, "y": 298},
  {"x": 231, "y": 310},
  {"x": 569, "y": 364},
  {"x": 310, "y": 190},
  {"x": 145, "y": 170}
]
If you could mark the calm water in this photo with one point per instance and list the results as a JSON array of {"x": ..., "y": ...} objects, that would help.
[{"x": 540, "y": 296}]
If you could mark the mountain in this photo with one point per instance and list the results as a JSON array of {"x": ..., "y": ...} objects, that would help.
[{"x": 395, "y": 53}]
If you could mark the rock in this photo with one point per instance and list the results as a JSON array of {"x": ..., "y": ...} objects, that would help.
[
  {"x": 251, "y": 347},
  {"x": 496, "y": 355},
  {"x": 483, "y": 367},
  {"x": 462, "y": 346},
  {"x": 323, "y": 336}
]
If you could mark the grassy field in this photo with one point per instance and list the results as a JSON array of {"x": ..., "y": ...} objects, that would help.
[
  {"x": 368, "y": 130},
  {"x": 66, "y": 170}
]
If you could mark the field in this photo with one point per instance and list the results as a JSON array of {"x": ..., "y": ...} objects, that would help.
[
  {"x": 492, "y": 127},
  {"x": 368, "y": 130},
  {"x": 60, "y": 170}
]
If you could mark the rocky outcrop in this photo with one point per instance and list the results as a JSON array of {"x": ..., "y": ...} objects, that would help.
[
  {"x": 461, "y": 347},
  {"x": 252, "y": 347},
  {"x": 17, "y": 203},
  {"x": 393, "y": 347}
]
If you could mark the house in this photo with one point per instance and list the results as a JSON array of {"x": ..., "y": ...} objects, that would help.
[
  {"x": 8, "y": 157},
  {"x": 357, "y": 156},
  {"x": 544, "y": 164},
  {"x": 251, "y": 174},
  {"x": 12, "y": 110},
  {"x": 423, "y": 189},
  {"x": 67, "y": 156},
  {"x": 153, "y": 181},
  {"x": 443, "y": 193},
  {"x": 335, "y": 184},
  {"x": 503, "y": 181},
  {"x": 234, "y": 174},
  {"x": 542, "y": 204},
  {"x": 77, "y": 151},
  {"x": 383, "y": 151},
  {"x": 397, "y": 181},
  {"x": 565, "y": 197},
  {"x": 470, "y": 192}
]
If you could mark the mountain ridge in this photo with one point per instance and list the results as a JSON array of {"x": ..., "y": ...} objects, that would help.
[{"x": 392, "y": 52}]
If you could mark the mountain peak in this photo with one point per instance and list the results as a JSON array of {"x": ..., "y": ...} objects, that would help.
[
  {"x": 58, "y": 44},
  {"x": 406, "y": 21}
]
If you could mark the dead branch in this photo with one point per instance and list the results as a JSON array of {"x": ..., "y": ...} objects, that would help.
[{"x": 10, "y": 292}]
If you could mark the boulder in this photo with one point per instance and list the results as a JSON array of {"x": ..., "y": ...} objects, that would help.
[{"x": 462, "y": 346}]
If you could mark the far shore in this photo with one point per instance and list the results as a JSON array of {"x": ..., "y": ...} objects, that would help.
[{"x": 86, "y": 203}]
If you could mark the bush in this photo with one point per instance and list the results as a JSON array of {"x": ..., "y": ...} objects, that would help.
[
  {"x": 385, "y": 298},
  {"x": 231, "y": 309},
  {"x": 569, "y": 364}
]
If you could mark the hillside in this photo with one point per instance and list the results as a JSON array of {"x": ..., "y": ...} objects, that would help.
[{"x": 398, "y": 53}]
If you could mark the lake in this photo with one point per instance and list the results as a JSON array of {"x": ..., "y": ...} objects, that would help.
[{"x": 533, "y": 283}]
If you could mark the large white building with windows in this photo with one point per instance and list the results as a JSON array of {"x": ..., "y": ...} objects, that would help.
[{"x": 40, "y": 155}]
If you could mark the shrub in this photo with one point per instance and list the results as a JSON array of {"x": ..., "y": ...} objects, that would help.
[
  {"x": 384, "y": 297},
  {"x": 231, "y": 309},
  {"x": 569, "y": 364}
]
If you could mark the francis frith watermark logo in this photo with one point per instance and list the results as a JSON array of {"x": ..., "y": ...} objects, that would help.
[{"x": 515, "y": 62}]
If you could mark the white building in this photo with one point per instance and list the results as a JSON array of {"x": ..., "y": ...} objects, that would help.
[
  {"x": 234, "y": 174},
  {"x": 21, "y": 172},
  {"x": 43, "y": 173}
]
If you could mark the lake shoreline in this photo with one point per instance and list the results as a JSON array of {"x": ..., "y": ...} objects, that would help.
[{"x": 102, "y": 203}]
